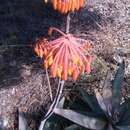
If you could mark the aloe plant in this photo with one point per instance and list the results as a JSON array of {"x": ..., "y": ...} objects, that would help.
[
  {"x": 66, "y": 56},
  {"x": 95, "y": 112}
]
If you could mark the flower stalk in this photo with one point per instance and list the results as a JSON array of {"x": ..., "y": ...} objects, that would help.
[
  {"x": 53, "y": 105},
  {"x": 68, "y": 23}
]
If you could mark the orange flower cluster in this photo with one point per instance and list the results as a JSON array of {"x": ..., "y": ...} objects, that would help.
[
  {"x": 65, "y": 6},
  {"x": 65, "y": 56}
]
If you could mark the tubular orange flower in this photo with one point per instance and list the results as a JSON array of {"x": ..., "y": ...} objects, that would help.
[
  {"x": 39, "y": 47},
  {"x": 65, "y": 6},
  {"x": 50, "y": 60},
  {"x": 65, "y": 56},
  {"x": 75, "y": 74},
  {"x": 55, "y": 4},
  {"x": 88, "y": 65},
  {"x": 70, "y": 69},
  {"x": 59, "y": 71}
]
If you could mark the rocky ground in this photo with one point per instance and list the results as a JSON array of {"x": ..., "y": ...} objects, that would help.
[{"x": 23, "y": 85}]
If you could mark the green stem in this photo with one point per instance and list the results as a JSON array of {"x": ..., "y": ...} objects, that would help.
[
  {"x": 56, "y": 29},
  {"x": 49, "y": 85},
  {"x": 53, "y": 105},
  {"x": 68, "y": 23}
]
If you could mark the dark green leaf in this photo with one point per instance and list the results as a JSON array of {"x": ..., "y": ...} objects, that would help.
[
  {"x": 116, "y": 90},
  {"x": 107, "y": 93},
  {"x": 80, "y": 119},
  {"x": 52, "y": 123},
  {"x": 61, "y": 103},
  {"x": 79, "y": 104},
  {"x": 125, "y": 113},
  {"x": 75, "y": 127},
  {"x": 55, "y": 122},
  {"x": 51, "y": 126},
  {"x": 100, "y": 101},
  {"x": 92, "y": 114},
  {"x": 123, "y": 127},
  {"x": 91, "y": 101}
]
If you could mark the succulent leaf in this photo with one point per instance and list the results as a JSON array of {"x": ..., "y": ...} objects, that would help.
[
  {"x": 80, "y": 119},
  {"x": 123, "y": 127},
  {"x": 107, "y": 93},
  {"x": 125, "y": 113},
  {"x": 72, "y": 127},
  {"x": 75, "y": 127},
  {"x": 116, "y": 90},
  {"x": 53, "y": 123},
  {"x": 61, "y": 103},
  {"x": 86, "y": 118},
  {"x": 100, "y": 101},
  {"x": 91, "y": 101}
]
